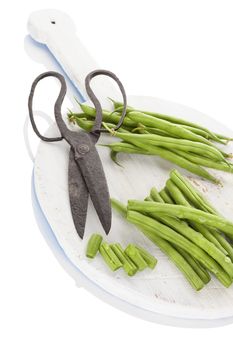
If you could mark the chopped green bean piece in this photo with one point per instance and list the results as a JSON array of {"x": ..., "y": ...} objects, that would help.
[
  {"x": 149, "y": 259},
  {"x": 136, "y": 257},
  {"x": 93, "y": 245},
  {"x": 129, "y": 267},
  {"x": 109, "y": 256}
]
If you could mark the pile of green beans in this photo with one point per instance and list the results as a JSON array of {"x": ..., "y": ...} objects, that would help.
[
  {"x": 186, "y": 144},
  {"x": 187, "y": 228}
]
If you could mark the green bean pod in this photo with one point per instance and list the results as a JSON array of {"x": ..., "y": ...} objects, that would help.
[
  {"x": 172, "y": 129},
  {"x": 119, "y": 207},
  {"x": 155, "y": 196},
  {"x": 149, "y": 259},
  {"x": 198, "y": 131},
  {"x": 93, "y": 245},
  {"x": 191, "y": 193},
  {"x": 208, "y": 163},
  {"x": 109, "y": 257},
  {"x": 129, "y": 267},
  {"x": 87, "y": 125},
  {"x": 133, "y": 253},
  {"x": 197, "y": 267},
  {"x": 224, "y": 137},
  {"x": 166, "y": 196},
  {"x": 224, "y": 243}
]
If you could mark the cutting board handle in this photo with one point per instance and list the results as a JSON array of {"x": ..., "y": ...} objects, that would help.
[{"x": 57, "y": 31}]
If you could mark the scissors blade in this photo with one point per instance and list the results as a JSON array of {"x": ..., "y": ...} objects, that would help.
[
  {"x": 93, "y": 174},
  {"x": 78, "y": 194}
]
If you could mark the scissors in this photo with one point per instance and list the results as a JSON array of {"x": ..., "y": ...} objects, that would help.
[{"x": 85, "y": 171}]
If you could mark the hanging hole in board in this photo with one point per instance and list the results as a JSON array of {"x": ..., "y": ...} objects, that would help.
[{"x": 53, "y": 22}]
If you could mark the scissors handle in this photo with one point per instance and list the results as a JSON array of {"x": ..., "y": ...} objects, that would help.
[
  {"x": 65, "y": 133},
  {"x": 99, "y": 116},
  {"x": 57, "y": 107}
]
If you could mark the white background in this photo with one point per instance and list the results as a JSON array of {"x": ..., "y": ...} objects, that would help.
[{"x": 176, "y": 50}]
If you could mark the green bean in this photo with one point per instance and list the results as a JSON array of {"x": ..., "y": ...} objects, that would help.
[
  {"x": 221, "y": 138},
  {"x": 166, "y": 196},
  {"x": 224, "y": 243},
  {"x": 93, "y": 245},
  {"x": 197, "y": 159},
  {"x": 72, "y": 117},
  {"x": 191, "y": 193},
  {"x": 179, "y": 198},
  {"x": 136, "y": 257},
  {"x": 166, "y": 154},
  {"x": 125, "y": 147},
  {"x": 149, "y": 259},
  {"x": 145, "y": 130},
  {"x": 129, "y": 267},
  {"x": 197, "y": 267},
  {"x": 198, "y": 131},
  {"x": 172, "y": 129},
  {"x": 183, "y": 212},
  {"x": 185, "y": 268},
  {"x": 201, "y": 271},
  {"x": 118, "y": 104},
  {"x": 224, "y": 154},
  {"x": 155, "y": 196},
  {"x": 159, "y": 132},
  {"x": 113, "y": 156},
  {"x": 87, "y": 125},
  {"x": 227, "y": 138},
  {"x": 109, "y": 256},
  {"x": 148, "y": 198},
  {"x": 142, "y": 129},
  {"x": 156, "y": 228},
  {"x": 119, "y": 207},
  {"x": 91, "y": 110}
]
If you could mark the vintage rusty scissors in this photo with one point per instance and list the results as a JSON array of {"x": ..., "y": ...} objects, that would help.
[{"x": 85, "y": 172}]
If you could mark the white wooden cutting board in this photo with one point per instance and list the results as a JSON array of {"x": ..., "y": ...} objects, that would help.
[
  {"x": 163, "y": 293},
  {"x": 164, "y": 290}
]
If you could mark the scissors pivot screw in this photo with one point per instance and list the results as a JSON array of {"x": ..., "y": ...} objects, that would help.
[{"x": 83, "y": 149}]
